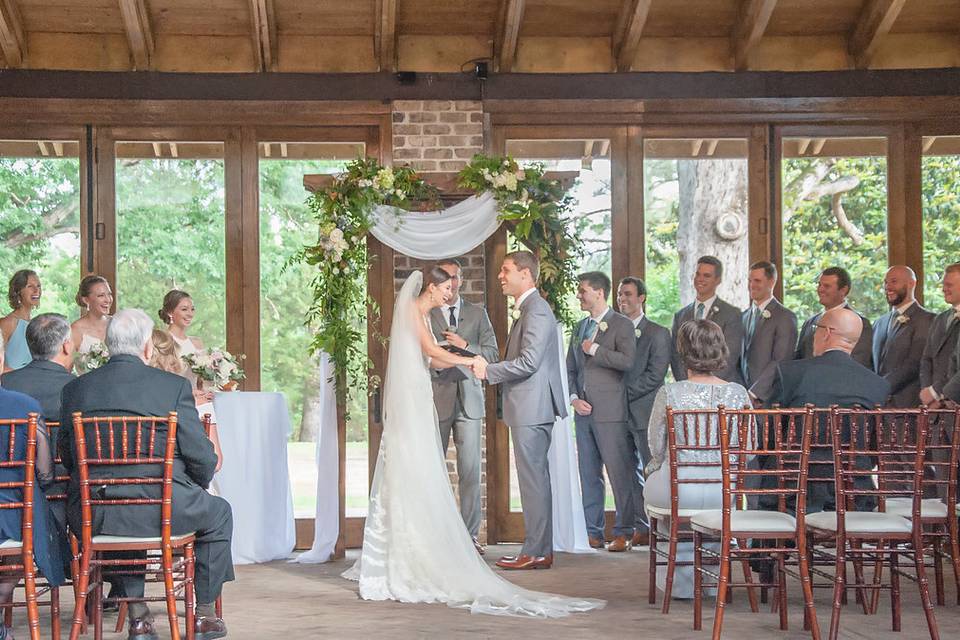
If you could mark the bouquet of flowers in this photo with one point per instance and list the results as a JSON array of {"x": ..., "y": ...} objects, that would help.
[
  {"x": 94, "y": 358},
  {"x": 217, "y": 366}
]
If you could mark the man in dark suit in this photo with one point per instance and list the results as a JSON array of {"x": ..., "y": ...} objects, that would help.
[
  {"x": 769, "y": 333},
  {"x": 900, "y": 337},
  {"x": 643, "y": 380},
  {"x": 52, "y": 348},
  {"x": 602, "y": 350},
  {"x": 832, "y": 290},
  {"x": 707, "y": 305},
  {"x": 936, "y": 363},
  {"x": 831, "y": 377},
  {"x": 126, "y": 385}
]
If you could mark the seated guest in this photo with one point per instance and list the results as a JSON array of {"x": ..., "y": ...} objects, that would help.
[
  {"x": 125, "y": 385},
  {"x": 46, "y": 547},
  {"x": 703, "y": 349},
  {"x": 52, "y": 348},
  {"x": 24, "y": 296}
]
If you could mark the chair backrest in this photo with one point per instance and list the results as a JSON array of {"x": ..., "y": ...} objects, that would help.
[
  {"x": 125, "y": 441},
  {"x": 60, "y": 477},
  {"x": 10, "y": 458},
  {"x": 207, "y": 422},
  {"x": 764, "y": 453},
  {"x": 693, "y": 447},
  {"x": 878, "y": 454},
  {"x": 943, "y": 453}
]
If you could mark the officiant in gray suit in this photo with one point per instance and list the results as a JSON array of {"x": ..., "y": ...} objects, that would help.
[
  {"x": 532, "y": 401},
  {"x": 769, "y": 333},
  {"x": 459, "y": 398}
]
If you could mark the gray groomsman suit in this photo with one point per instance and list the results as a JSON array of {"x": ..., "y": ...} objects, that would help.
[
  {"x": 935, "y": 365},
  {"x": 459, "y": 402},
  {"x": 532, "y": 402},
  {"x": 951, "y": 390},
  {"x": 643, "y": 381},
  {"x": 728, "y": 317},
  {"x": 897, "y": 351},
  {"x": 603, "y": 438},
  {"x": 770, "y": 341},
  {"x": 862, "y": 351}
]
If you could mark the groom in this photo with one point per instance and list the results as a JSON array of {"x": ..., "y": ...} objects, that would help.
[{"x": 532, "y": 401}]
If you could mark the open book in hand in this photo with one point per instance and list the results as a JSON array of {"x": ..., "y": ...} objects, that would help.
[{"x": 457, "y": 350}]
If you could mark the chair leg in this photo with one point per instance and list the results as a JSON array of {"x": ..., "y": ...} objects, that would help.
[
  {"x": 189, "y": 597},
  {"x": 748, "y": 578},
  {"x": 925, "y": 595},
  {"x": 169, "y": 593},
  {"x": 877, "y": 576},
  {"x": 121, "y": 617},
  {"x": 55, "y": 612},
  {"x": 858, "y": 576},
  {"x": 80, "y": 589},
  {"x": 895, "y": 585},
  {"x": 782, "y": 589},
  {"x": 671, "y": 566},
  {"x": 722, "y": 586},
  {"x": 97, "y": 601},
  {"x": 219, "y": 606},
  {"x": 30, "y": 589},
  {"x": 955, "y": 553},
  {"x": 697, "y": 580},
  {"x": 938, "y": 569},
  {"x": 809, "y": 610},
  {"x": 74, "y": 563},
  {"x": 839, "y": 588},
  {"x": 652, "y": 569}
]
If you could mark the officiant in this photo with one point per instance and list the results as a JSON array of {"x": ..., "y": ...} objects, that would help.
[{"x": 458, "y": 396}]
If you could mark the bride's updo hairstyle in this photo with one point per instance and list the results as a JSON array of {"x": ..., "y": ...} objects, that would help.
[
  {"x": 86, "y": 286},
  {"x": 435, "y": 276},
  {"x": 170, "y": 302}
]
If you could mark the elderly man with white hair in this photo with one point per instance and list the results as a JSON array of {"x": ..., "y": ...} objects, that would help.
[{"x": 126, "y": 385}]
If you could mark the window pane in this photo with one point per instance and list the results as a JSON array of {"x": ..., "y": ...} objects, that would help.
[
  {"x": 40, "y": 218},
  {"x": 940, "y": 189},
  {"x": 695, "y": 203},
  {"x": 170, "y": 229},
  {"x": 834, "y": 214},
  {"x": 286, "y": 224}
]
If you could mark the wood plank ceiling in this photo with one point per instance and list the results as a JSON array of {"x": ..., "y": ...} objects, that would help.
[{"x": 534, "y": 36}]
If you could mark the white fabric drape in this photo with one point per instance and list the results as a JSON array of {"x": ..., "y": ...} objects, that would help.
[{"x": 433, "y": 235}]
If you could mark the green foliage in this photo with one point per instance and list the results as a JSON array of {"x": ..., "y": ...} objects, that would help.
[{"x": 941, "y": 220}]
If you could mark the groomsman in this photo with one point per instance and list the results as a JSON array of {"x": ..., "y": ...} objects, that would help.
[
  {"x": 643, "y": 380},
  {"x": 900, "y": 337},
  {"x": 936, "y": 364},
  {"x": 602, "y": 350},
  {"x": 708, "y": 305},
  {"x": 459, "y": 398},
  {"x": 832, "y": 290},
  {"x": 769, "y": 333}
]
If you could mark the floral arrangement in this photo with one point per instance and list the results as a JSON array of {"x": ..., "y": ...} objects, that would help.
[
  {"x": 216, "y": 366},
  {"x": 533, "y": 206},
  {"x": 95, "y": 358}
]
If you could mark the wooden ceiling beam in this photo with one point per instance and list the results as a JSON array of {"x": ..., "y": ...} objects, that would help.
[
  {"x": 136, "y": 22},
  {"x": 385, "y": 35},
  {"x": 12, "y": 40},
  {"x": 749, "y": 29},
  {"x": 264, "y": 31},
  {"x": 627, "y": 33},
  {"x": 875, "y": 22},
  {"x": 44, "y": 151},
  {"x": 508, "y": 34}
]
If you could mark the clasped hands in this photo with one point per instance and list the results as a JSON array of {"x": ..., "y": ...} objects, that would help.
[{"x": 479, "y": 367}]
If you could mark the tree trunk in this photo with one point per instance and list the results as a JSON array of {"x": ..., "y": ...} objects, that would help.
[
  {"x": 312, "y": 411},
  {"x": 713, "y": 220}
]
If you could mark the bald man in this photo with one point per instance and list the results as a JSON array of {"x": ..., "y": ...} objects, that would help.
[{"x": 900, "y": 336}]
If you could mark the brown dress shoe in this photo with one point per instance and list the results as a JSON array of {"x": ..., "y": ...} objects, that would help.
[
  {"x": 619, "y": 544},
  {"x": 479, "y": 547},
  {"x": 639, "y": 539},
  {"x": 208, "y": 628},
  {"x": 141, "y": 629},
  {"x": 524, "y": 561},
  {"x": 595, "y": 543}
]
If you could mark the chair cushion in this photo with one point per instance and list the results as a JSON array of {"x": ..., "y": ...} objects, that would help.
[
  {"x": 11, "y": 544},
  {"x": 751, "y": 520},
  {"x": 929, "y": 507},
  {"x": 861, "y": 522},
  {"x": 135, "y": 540},
  {"x": 664, "y": 512}
]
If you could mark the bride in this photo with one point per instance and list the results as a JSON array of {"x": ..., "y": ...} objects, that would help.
[{"x": 415, "y": 545}]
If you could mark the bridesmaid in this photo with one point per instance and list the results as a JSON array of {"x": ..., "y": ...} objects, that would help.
[
  {"x": 177, "y": 313},
  {"x": 24, "y": 296},
  {"x": 95, "y": 298}
]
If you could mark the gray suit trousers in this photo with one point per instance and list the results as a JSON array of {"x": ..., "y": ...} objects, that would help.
[
  {"x": 530, "y": 446},
  {"x": 606, "y": 444},
  {"x": 466, "y": 437},
  {"x": 641, "y": 450}
]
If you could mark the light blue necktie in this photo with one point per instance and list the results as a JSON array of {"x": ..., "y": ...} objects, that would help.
[
  {"x": 698, "y": 314},
  {"x": 588, "y": 328},
  {"x": 752, "y": 322}
]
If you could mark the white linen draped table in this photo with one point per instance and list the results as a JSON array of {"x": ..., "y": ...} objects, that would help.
[{"x": 253, "y": 429}]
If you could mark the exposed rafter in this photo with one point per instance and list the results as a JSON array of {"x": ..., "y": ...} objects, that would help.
[
  {"x": 44, "y": 150},
  {"x": 627, "y": 33},
  {"x": 12, "y": 40},
  {"x": 385, "y": 35},
  {"x": 751, "y": 25},
  {"x": 174, "y": 152},
  {"x": 712, "y": 146},
  {"x": 264, "y": 31},
  {"x": 875, "y": 22},
  {"x": 156, "y": 150},
  {"x": 136, "y": 22},
  {"x": 508, "y": 34}
]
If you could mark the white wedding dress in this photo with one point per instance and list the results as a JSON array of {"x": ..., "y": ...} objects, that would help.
[{"x": 415, "y": 545}]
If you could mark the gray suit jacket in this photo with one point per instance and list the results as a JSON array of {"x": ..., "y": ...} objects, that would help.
[
  {"x": 862, "y": 351},
  {"x": 473, "y": 325},
  {"x": 728, "y": 317},
  {"x": 951, "y": 390},
  {"x": 530, "y": 371},
  {"x": 649, "y": 369},
  {"x": 935, "y": 365},
  {"x": 598, "y": 379},
  {"x": 774, "y": 341},
  {"x": 897, "y": 351}
]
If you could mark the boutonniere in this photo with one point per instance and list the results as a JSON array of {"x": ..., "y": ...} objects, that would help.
[
  {"x": 515, "y": 314},
  {"x": 602, "y": 326},
  {"x": 903, "y": 318},
  {"x": 714, "y": 310},
  {"x": 765, "y": 314},
  {"x": 956, "y": 315},
  {"x": 637, "y": 332}
]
